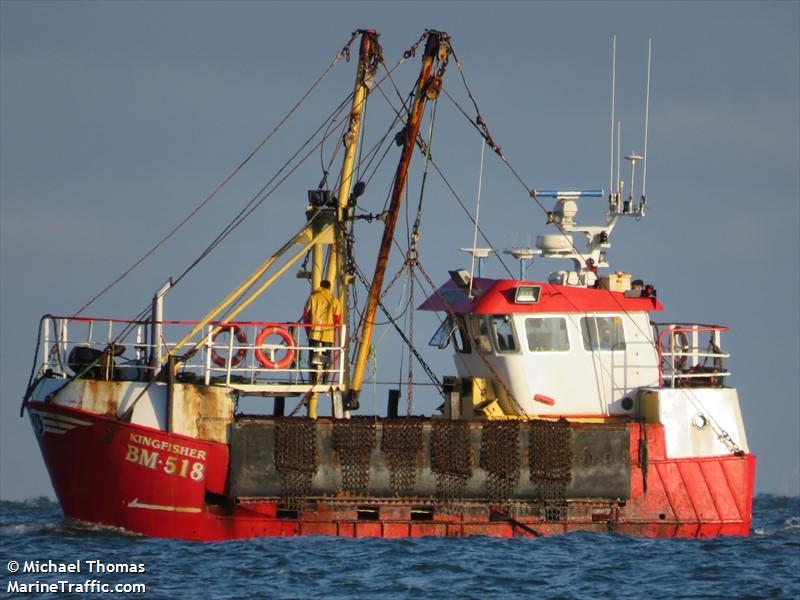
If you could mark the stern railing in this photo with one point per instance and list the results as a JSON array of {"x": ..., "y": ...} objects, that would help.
[
  {"x": 683, "y": 359},
  {"x": 251, "y": 356}
]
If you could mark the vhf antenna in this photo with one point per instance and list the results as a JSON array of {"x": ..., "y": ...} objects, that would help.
[
  {"x": 615, "y": 204},
  {"x": 612, "y": 203},
  {"x": 643, "y": 199}
]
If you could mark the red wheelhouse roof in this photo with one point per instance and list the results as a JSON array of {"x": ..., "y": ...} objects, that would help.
[{"x": 496, "y": 296}]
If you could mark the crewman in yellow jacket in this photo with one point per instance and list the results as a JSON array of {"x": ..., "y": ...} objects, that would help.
[{"x": 322, "y": 315}]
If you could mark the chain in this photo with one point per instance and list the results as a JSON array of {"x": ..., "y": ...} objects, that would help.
[
  {"x": 401, "y": 445},
  {"x": 451, "y": 313},
  {"x": 425, "y": 366},
  {"x": 353, "y": 440},
  {"x": 412, "y": 51},
  {"x": 451, "y": 460},
  {"x": 296, "y": 458},
  {"x": 550, "y": 462},
  {"x": 393, "y": 281},
  {"x": 344, "y": 53},
  {"x": 410, "y": 384},
  {"x": 500, "y": 458}
]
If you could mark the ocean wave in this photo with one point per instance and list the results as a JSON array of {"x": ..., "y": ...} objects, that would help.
[
  {"x": 76, "y": 527},
  {"x": 63, "y": 528},
  {"x": 37, "y": 502},
  {"x": 29, "y": 529},
  {"x": 792, "y": 525}
]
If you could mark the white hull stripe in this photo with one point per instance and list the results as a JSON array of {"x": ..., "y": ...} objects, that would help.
[
  {"x": 183, "y": 509},
  {"x": 56, "y": 426},
  {"x": 59, "y": 424},
  {"x": 63, "y": 418},
  {"x": 49, "y": 429}
]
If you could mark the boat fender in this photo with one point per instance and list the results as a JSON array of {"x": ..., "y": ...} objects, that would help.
[
  {"x": 288, "y": 340},
  {"x": 241, "y": 337},
  {"x": 544, "y": 399}
]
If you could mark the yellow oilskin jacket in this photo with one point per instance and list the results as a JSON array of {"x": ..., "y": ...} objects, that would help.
[{"x": 323, "y": 312}]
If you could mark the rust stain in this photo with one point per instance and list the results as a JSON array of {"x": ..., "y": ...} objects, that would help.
[
  {"x": 111, "y": 431},
  {"x": 100, "y": 397},
  {"x": 204, "y": 412}
]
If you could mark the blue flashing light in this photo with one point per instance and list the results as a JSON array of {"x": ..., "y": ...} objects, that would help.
[{"x": 569, "y": 194}]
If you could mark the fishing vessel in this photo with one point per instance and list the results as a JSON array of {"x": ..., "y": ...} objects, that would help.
[{"x": 570, "y": 406}]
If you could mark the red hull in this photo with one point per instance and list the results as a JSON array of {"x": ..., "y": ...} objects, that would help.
[{"x": 158, "y": 489}]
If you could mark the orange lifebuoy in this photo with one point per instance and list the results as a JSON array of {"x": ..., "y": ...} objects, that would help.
[
  {"x": 241, "y": 337},
  {"x": 288, "y": 341}
]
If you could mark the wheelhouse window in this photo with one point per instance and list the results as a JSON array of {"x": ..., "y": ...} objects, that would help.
[
  {"x": 503, "y": 329},
  {"x": 602, "y": 333},
  {"x": 547, "y": 334},
  {"x": 441, "y": 339},
  {"x": 480, "y": 331},
  {"x": 452, "y": 329}
]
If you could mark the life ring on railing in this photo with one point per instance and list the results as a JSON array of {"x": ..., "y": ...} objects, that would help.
[
  {"x": 288, "y": 340},
  {"x": 241, "y": 337},
  {"x": 680, "y": 344}
]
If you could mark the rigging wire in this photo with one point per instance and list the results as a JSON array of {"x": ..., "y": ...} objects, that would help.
[
  {"x": 345, "y": 51},
  {"x": 393, "y": 322},
  {"x": 478, "y": 123},
  {"x": 262, "y": 194},
  {"x": 420, "y": 144},
  {"x": 481, "y": 126},
  {"x": 255, "y": 202}
]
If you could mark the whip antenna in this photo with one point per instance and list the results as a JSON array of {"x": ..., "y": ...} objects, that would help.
[
  {"x": 477, "y": 216},
  {"x": 646, "y": 122},
  {"x": 611, "y": 203},
  {"x": 619, "y": 145}
]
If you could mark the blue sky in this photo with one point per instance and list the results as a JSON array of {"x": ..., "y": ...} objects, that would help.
[{"x": 117, "y": 118}]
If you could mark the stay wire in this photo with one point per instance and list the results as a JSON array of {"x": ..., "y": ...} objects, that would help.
[
  {"x": 343, "y": 52},
  {"x": 421, "y": 146},
  {"x": 262, "y": 194},
  {"x": 481, "y": 126},
  {"x": 393, "y": 322}
]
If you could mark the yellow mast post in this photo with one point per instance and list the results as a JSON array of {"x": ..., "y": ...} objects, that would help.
[
  {"x": 368, "y": 51},
  {"x": 369, "y": 54},
  {"x": 317, "y": 234},
  {"x": 428, "y": 86}
]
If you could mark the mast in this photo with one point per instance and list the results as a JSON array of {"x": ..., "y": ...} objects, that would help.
[
  {"x": 428, "y": 86},
  {"x": 369, "y": 56},
  {"x": 327, "y": 226}
]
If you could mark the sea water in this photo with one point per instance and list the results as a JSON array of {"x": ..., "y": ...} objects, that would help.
[{"x": 575, "y": 565}]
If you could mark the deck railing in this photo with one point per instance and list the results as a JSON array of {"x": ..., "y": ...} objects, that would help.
[
  {"x": 684, "y": 361},
  {"x": 246, "y": 355}
]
